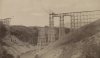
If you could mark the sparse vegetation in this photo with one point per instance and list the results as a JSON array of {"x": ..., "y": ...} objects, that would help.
[
  {"x": 26, "y": 34},
  {"x": 30, "y": 34},
  {"x": 3, "y": 31}
]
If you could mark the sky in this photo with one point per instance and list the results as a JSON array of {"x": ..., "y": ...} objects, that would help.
[{"x": 35, "y": 12}]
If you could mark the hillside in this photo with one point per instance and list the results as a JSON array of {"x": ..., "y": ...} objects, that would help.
[
  {"x": 11, "y": 45},
  {"x": 2, "y": 35},
  {"x": 16, "y": 47},
  {"x": 26, "y": 34},
  {"x": 81, "y": 43},
  {"x": 30, "y": 34},
  {"x": 21, "y": 39}
]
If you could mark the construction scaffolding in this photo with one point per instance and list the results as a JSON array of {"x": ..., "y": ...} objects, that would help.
[
  {"x": 41, "y": 39},
  {"x": 6, "y": 22},
  {"x": 78, "y": 19},
  {"x": 51, "y": 31}
]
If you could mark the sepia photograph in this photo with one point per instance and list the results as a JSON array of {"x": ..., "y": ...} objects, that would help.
[{"x": 49, "y": 28}]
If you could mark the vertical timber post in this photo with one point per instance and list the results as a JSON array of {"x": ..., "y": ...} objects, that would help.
[
  {"x": 61, "y": 28},
  {"x": 71, "y": 23},
  {"x": 41, "y": 39},
  {"x": 51, "y": 31}
]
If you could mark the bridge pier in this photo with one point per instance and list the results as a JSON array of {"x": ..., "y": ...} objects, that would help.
[
  {"x": 78, "y": 19},
  {"x": 51, "y": 31},
  {"x": 61, "y": 27}
]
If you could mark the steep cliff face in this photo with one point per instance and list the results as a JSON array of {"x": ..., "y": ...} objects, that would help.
[{"x": 81, "y": 43}]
